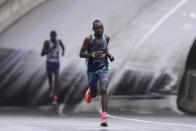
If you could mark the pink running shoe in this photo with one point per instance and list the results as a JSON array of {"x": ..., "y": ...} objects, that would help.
[{"x": 88, "y": 97}]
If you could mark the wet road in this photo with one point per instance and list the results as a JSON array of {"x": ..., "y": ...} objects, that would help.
[
  {"x": 124, "y": 115},
  {"x": 24, "y": 119}
]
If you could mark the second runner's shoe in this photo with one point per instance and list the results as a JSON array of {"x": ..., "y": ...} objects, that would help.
[{"x": 55, "y": 100}]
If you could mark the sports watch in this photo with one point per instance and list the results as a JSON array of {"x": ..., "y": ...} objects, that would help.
[{"x": 93, "y": 54}]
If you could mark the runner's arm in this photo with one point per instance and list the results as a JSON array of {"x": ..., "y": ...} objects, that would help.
[
  {"x": 63, "y": 47},
  {"x": 45, "y": 49},
  {"x": 84, "y": 47},
  {"x": 108, "y": 53}
]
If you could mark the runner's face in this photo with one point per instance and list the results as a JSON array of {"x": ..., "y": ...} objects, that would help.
[
  {"x": 98, "y": 28},
  {"x": 53, "y": 36}
]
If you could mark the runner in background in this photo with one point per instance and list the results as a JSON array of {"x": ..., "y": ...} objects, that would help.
[{"x": 51, "y": 49}]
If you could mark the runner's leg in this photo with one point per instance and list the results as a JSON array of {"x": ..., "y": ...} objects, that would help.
[
  {"x": 49, "y": 75},
  {"x": 104, "y": 96},
  {"x": 56, "y": 79},
  {"x": 92, "y": 77},
  {"x": 103, "y": 76}
]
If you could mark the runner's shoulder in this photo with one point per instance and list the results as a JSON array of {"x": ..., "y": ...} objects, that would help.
[
  {"x": 46, "y": 42},
  {"x": 107, "y": 37},
  {"x": 59, "y": 40},
  {"x": 88, "y": 39}
]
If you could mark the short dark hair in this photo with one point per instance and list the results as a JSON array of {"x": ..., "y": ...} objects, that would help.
[
  {"x": 53, "y": 32},
  {"x": 96, "y": 21}
]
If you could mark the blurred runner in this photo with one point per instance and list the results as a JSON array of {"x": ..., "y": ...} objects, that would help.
[{"x": 51, "y": 48}]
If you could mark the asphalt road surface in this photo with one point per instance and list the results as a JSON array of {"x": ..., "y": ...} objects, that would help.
[
  {"x": 45, "y": 119},
  {"x": 123, "y": 115}
]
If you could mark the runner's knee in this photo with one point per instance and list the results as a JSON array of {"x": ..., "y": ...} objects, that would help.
[{"x": 103, "y": 90}]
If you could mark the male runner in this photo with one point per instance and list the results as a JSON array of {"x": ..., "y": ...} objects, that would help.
[
  {"x": 95, "y": 50},
  {"x": 51, "y": 48}
]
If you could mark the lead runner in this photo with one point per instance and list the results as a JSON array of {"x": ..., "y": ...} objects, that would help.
[{"x": 95, "y": 50}]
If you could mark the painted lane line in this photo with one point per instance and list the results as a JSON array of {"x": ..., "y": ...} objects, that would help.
[{"x": 151, "y": 122}]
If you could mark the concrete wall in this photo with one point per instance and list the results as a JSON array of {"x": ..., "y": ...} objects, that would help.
[{"x": 12, "y": 10}]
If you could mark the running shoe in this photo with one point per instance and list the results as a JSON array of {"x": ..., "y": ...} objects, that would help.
[
  {"x": 104, "y": 122},
  {"x": 88, "y": 97},
  {"x": 55, "y": 100},
  {"x": 55, "y": 97}
]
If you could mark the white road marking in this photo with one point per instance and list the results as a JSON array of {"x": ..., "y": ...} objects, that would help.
[
  {"x": 146, "y": 121},
  {"x": 151, "y": 122}
]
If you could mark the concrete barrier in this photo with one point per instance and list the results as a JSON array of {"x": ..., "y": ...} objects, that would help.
[{"x": 12, "y": 10}]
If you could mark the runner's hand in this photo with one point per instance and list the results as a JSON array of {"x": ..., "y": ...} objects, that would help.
[
  {"x": 98, "y": 53},
  {"x": 111, "y": 58},
  {"x": 62, "y": 54}
]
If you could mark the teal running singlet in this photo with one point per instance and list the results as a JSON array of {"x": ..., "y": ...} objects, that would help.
[{"x": 100, "y": 63}]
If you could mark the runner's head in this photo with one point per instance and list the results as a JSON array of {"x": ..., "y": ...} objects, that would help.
[
  {"x": 98, "y": 28},
  {"x": 53, "y": 35}
]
